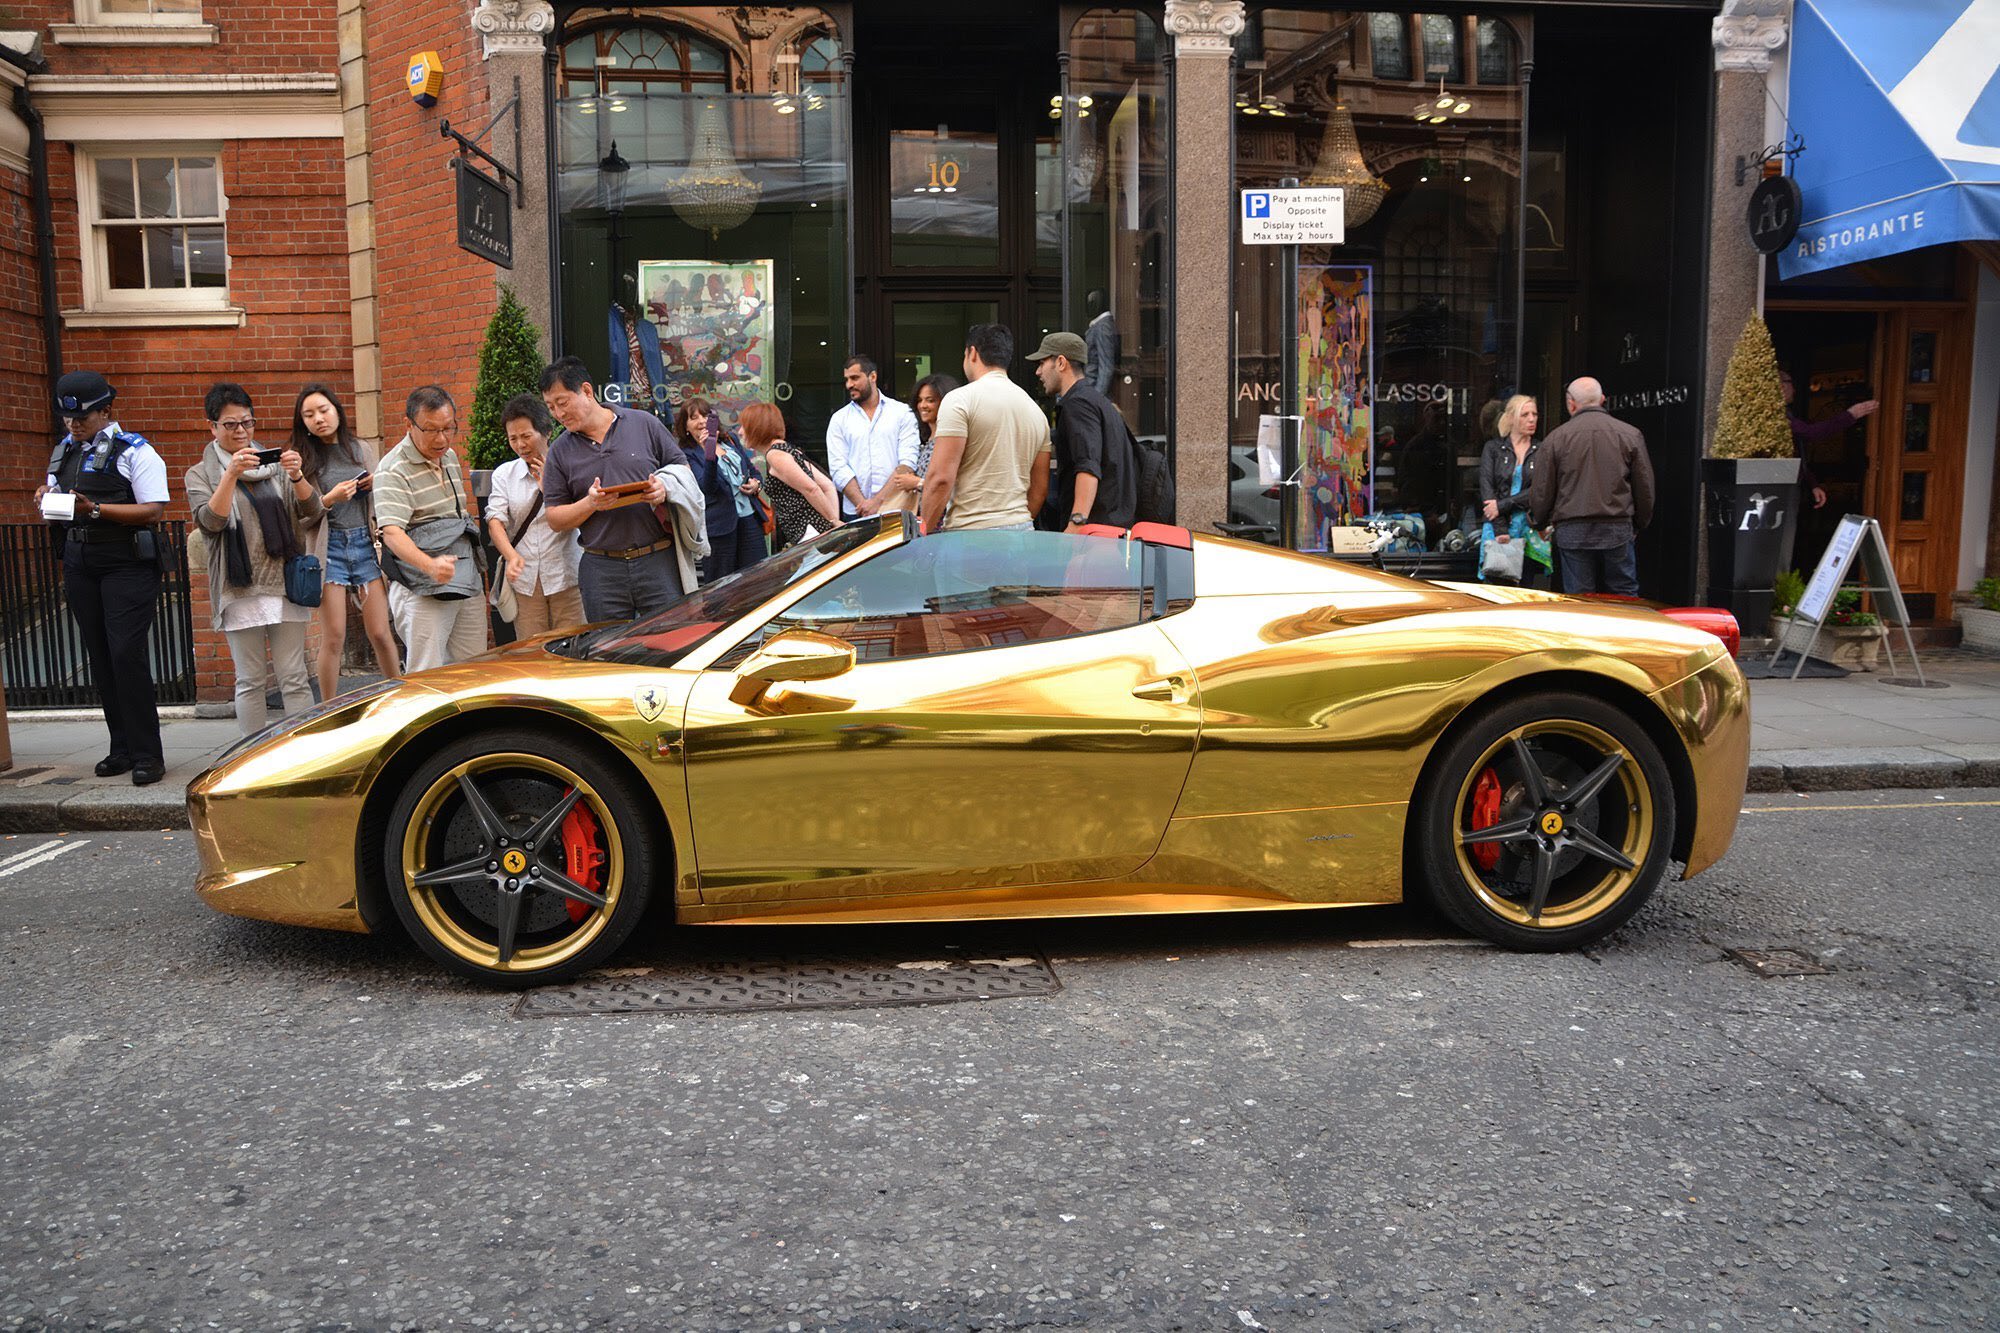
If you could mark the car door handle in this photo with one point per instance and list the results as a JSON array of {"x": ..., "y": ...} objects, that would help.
[{"x": 1172, "y": 690}]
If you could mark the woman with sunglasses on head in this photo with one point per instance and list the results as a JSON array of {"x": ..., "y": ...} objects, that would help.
[{"x": 340, "y": 467}]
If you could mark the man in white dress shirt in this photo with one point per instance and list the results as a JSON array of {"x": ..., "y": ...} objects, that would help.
[{"x": 867, "y": 442}]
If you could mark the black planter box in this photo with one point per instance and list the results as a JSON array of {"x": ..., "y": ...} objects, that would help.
[{"x": 1752, "y": 506}]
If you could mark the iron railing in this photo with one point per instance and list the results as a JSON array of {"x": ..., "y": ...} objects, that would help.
[{"x": 42, "y": 649}]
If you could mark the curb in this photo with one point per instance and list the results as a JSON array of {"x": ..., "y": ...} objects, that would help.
[
  {"x": 1870, "y": 770},
  {"x": 85, "y": 812}
]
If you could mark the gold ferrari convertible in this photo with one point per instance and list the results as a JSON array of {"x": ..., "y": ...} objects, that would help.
[{"x": 881, "y": 726}]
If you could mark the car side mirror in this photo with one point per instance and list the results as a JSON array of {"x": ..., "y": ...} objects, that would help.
[{"x": 794, "y": 655}]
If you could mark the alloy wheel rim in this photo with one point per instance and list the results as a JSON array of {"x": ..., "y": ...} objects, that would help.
[
  {"x": 1578, "y": 819},
  {"x": 513, "y": 849}
]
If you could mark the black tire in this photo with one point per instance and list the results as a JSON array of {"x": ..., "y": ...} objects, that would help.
[
  {"x": 524, "y": 921},
  {"x": 1586, "y": 820}
]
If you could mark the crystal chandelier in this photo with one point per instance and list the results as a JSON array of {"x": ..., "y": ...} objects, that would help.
[
  {"x": 713, "y": 193},
  {"x": 1341, "y": 165}
]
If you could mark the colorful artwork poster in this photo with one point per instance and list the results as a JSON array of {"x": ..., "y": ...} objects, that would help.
[
  {"x": 1336, "y": 398},
  {"x": 714, "y": 322}
]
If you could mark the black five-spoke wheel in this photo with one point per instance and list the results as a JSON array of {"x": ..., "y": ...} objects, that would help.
[
  {"x": 1546, "y": 823},
  {"x": 509, "y": 863}
]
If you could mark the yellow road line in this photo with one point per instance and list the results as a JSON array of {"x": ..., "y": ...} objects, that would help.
[{"x": 1911, "y": 805}]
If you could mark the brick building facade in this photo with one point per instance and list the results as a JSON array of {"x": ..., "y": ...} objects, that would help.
[{"x": 307, "y": 173}]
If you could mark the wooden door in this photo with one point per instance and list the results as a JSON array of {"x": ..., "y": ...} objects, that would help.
[{"x": 1918, "y": 473}]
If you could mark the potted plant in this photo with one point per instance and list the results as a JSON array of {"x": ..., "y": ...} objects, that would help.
[
  {"x": 1980, "y": 625},
  {"x": 1787, "y": 590},
  {"x": 1751, "y": 480},
  {"x": 1850, "y": 638}
]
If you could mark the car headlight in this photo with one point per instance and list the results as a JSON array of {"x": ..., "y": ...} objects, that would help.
[{"x": 292, "y": 723}]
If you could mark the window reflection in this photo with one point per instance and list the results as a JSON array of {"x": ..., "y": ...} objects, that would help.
[
  {"x": 738, "y": 181},
  {"x": 1408, "y": 332},
  {"x": 1114, "y": 180}
]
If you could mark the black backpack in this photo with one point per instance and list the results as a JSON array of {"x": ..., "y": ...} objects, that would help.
[{"x": 1156, "y": 481}]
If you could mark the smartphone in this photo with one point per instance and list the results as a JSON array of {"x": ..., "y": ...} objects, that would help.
[{"x": 269, "y": 455}]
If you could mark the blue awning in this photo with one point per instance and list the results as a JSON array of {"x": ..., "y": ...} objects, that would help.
[{"x": 1899, "y": 103}]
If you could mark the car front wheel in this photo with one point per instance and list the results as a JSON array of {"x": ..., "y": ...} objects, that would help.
[
  {"x": 1546, "y": 823},
  {"x": 514, "y": 866}
]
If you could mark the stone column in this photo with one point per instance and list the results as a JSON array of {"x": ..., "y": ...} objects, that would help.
[
  {"x": 1203, "y": 185},
  {"x": 1746, "y": 33},
  {"x": 365, "y": 320},
  {"x": 514, "y": 35}
]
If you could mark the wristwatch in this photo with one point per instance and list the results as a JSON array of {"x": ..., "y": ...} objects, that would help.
[
  {"x": 1079, "y": 519},
  {"x": 95, "y": 507}
]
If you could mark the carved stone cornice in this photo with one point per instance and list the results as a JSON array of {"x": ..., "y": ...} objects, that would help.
[
  {"x": 514, "y": 27},
  {"x": 1204, "y": 27},
  {"x": 1748, "y": 31}
]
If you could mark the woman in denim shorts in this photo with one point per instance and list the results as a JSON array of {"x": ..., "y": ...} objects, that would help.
[{"x": 341, "y": 468}]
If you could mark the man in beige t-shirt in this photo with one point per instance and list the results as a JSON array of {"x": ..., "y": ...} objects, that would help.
[{"x": 990, "y": 453}]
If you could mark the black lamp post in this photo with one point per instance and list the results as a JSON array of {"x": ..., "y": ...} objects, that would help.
[{"x": 612, "y": 173}]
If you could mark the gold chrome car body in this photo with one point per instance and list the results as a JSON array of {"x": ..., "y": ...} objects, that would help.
[{"x": 1257, "y": 749}]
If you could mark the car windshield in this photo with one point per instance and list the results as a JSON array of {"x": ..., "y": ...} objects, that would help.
[{"x": 666, "y": 637}]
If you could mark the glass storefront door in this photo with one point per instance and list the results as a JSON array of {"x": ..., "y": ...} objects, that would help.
[{"x": 927, "y": 337}]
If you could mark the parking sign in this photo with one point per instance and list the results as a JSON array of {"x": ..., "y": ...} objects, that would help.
[{"x": 1294, "y": 217}]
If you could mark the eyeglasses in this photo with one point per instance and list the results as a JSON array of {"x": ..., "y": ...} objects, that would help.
[{"x": 238, "y": 424}]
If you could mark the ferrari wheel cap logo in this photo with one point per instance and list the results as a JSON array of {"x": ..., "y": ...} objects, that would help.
[
  {"x": 1552, "y": 823},
  {"x": 650, "y": 701},
  {"x": 514, "y": 862}
]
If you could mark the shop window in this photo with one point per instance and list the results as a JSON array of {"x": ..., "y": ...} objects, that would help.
[
  {"x": 1442, "y": 58},
  {"x": 1113, "y": 202},
  {"x": 1498, "y": 61},
  {"x": 155, "y": 235},
  {"x": 112, "y": 13},
  {"x": 1409, "y": 328},
  {"x": 642, "y": 60},
  {"x": 721, "y": 247},
  {"x": 1389, "y": 45}
]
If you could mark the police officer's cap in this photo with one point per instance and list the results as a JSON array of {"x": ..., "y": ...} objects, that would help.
[{"x": 82, "y": 391}]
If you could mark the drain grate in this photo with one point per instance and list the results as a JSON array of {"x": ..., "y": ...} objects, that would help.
[
  {"x": 1779, "y": 962},
  {"x": 792, "y": 983}
]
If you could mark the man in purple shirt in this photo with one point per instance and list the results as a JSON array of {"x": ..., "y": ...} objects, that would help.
[
  {"x": 1806, "y": 434},
  {"x": 629, "y": 568}
]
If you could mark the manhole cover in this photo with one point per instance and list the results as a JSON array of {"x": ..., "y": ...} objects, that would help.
[
  {"x": 1779, "y": 962},
  {"x": 816, "y": 983}
]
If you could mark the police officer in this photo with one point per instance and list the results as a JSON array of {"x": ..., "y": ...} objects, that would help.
[{"x": 111, "y": 567}]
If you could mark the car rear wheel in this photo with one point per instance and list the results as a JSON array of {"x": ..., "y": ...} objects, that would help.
[
  {"x": 511, "y": 865},
  {"x": 1546, "y": 823}
]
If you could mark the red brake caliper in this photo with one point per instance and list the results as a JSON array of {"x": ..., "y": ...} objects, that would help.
[
  {"x": 585, "y": 862},
  {"x": 1485, "y": 814}
]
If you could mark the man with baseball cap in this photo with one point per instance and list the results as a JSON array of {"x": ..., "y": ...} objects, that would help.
[
  {"x": 1097, "y": 477},
  {"x": 105, "y": 490}
]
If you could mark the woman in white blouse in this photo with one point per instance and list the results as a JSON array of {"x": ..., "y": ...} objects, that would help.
[{"x": 539, "y": 562}]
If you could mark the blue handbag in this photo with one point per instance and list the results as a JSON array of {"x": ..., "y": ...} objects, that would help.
[{"x": 304, "y": 580}]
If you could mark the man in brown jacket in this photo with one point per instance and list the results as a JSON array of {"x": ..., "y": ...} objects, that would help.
[{"x": 1595, "y": 484}]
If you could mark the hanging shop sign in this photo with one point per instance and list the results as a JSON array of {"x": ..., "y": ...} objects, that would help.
[
  {"x": 425, "y": 75},
  {"x": 1774, "y": 214},
  {"x": 485, "y": 222}
]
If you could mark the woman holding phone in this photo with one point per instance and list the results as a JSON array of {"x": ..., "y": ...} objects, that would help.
[
  {"x": 341, "y": 468},
  {"x": 257, "y": 512},
  {"x": 728, "y": 479}
]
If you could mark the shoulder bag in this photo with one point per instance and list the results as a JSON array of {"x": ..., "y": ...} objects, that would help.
[{"x": 506, "y": 604}]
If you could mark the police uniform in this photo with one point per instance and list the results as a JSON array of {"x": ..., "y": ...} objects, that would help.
[{"x": 111, "y": 575}]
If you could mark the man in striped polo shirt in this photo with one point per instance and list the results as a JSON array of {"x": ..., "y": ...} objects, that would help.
[{"x": 420, "y": 485}]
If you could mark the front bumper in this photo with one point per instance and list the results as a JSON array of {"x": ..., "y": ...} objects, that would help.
[{"x": 1711, "y": 712}]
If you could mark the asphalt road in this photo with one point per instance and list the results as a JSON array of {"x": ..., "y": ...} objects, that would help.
[{"x": 1287, "y": 1122}]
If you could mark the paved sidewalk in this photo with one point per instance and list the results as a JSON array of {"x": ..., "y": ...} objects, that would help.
[{"x": 1856, "y": 733}]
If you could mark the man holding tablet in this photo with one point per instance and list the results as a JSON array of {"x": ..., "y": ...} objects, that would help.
[{"x": 600, "y": 480}]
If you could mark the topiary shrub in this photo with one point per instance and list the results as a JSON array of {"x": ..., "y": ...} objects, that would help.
[
  {"x": 510, "y": 362},
  {"x": 1751, "y": 422}
]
